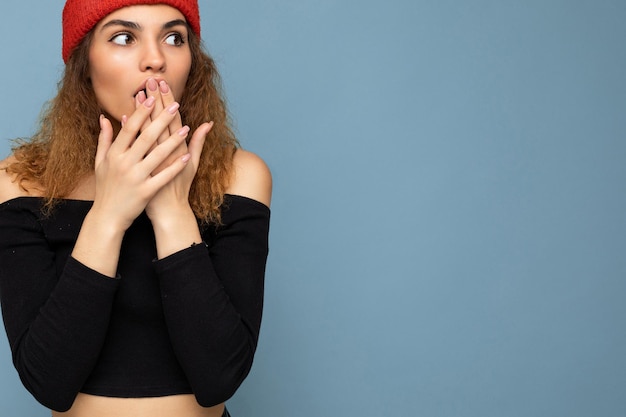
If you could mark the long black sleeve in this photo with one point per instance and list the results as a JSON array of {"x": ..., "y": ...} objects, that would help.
[
  {"x": 213, "y": 301},
  {"x": 55, "y": 320}
]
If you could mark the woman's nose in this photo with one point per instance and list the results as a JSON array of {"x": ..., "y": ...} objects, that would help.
[{"x": 152, "y": 59}]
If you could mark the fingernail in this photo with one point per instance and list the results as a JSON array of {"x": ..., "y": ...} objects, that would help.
[
  {"x": 164, "y": 87},
  {"x": 152, "y": 84},
  {"x": 186, "y": 157},
  {"x": 209, "y": 128},
  {"x": 184, "y": 131},
  {"x": 141, "y": 96},
  {"x": 149, "y": 102},
  {"x": 173, "y": 107},
  {"x": 124, "y": 120}
]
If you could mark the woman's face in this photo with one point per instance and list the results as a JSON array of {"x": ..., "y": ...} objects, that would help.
[{"x": 133, "y": 44}]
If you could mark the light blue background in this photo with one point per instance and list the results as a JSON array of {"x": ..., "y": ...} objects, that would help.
[{"x": 449, "y": 217}]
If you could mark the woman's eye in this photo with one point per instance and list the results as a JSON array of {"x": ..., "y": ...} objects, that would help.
[
  {"x": 122, "y": 39},
  {"x": 175, "y": 39}
]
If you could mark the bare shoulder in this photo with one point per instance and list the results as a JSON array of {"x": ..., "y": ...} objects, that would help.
[
  {"x": 9, "y": 187},
  {"x": 252, "y": 177}
]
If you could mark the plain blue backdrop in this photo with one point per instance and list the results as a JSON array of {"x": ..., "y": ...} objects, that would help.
[{"x": 449, "y": 215}]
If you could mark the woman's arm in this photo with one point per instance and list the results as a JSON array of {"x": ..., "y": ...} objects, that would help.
[
  {"x": 213, "y": 293},
  {"x": 55, "y": 321}
]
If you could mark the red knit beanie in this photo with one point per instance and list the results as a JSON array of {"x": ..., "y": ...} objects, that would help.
[{"x": 80, "y": 16}]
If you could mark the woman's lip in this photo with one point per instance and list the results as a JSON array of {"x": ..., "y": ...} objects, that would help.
[
  {"x": 140, "y": 89},
  {"x": 144, "y": 91},
  {"x": 143, "y": 87}
]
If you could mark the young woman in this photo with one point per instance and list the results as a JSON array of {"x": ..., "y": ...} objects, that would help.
[{"x": 133, "y": 230}]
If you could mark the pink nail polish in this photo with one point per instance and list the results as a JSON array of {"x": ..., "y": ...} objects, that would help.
[
  {"x": 173, "y": 107},
  {"x": 164, "y": 87},
  {"x": 184, "y": 131},
  {"x": 186, "y": 157},
  {"x": 149, "y": 102},
  {"x": 152, "y": 84}
]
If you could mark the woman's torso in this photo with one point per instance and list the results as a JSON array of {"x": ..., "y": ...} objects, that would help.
[
  {"x": 87, "y": 405},
  {"x": 169, "y": 406}
]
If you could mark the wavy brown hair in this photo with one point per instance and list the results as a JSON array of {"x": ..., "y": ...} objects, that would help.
[{"x": 62, "y": 152}]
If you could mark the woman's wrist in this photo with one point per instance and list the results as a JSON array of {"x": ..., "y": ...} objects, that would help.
[
  {"x": 98, "y": 244},
  {"x": 174, "y": 230}
]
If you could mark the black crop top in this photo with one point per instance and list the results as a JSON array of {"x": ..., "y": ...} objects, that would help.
[{"x": 188, "y": 323}]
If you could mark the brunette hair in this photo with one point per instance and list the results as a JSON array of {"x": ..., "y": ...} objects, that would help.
[{"x": 62, "y": 151}]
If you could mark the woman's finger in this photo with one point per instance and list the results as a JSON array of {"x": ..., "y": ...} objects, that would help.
[
  {"x": 164, "y": 150},
  {"x": 105, "y": 139},
  {"x": 167, "y": 174},
  {"x": 149, "y": 136},
  {"x": 168, "y": 98},
  {"x": 140, "y": 98},
  {"x": 152, "y": 90},
  {"x": 131, "y": 127},
  {"x": 196, "y": 143}
]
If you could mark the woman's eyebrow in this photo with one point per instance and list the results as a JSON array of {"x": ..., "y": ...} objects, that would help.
[
  {"x": 133, "y": 25},
  {"x": 177, "y": 22},
  {"x": 119, "y": 22}
]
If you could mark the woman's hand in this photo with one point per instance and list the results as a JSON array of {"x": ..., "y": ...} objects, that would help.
[
  {"x": 125, "y": 167},
  {"x": 126, "y": 182},
  {"x": 174, "y": 222}
]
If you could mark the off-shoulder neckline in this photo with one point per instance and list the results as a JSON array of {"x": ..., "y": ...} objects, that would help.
[{"x": 79, "y": 201}]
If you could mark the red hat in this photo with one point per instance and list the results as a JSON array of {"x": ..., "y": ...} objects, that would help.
[{"x": 80, "y": 16}]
